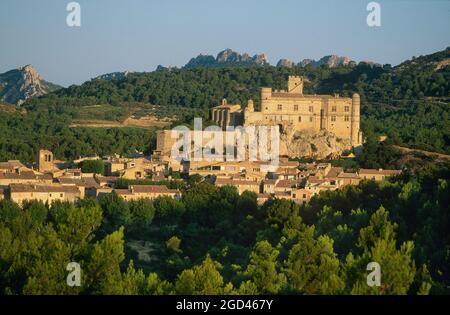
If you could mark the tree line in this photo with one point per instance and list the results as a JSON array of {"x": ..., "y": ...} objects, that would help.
[{"x": 215, "y": 241}]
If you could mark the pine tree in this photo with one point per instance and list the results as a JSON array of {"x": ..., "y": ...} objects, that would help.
[
  {"x": 378, "y": 244},
  {"x": 262, "y": 269},
  {"x": 312, "y": 266}
]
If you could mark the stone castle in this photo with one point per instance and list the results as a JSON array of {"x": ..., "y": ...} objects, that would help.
[
  {"x": 293, "y": 110},
  {"x": 318, "y": 126}
]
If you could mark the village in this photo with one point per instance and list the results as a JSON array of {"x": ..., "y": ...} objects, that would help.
[{"x": 49, "y": 180}]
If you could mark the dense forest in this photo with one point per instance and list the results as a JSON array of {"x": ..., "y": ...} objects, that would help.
[
  {"x": 204, "y": 87},
  {"x": 214, "y": 241},
  {"x": 22, "y": 135}
]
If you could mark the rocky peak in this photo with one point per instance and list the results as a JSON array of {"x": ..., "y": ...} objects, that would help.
[
  {"x": 31, "y": 78},
  {"x": 260, "y": 59},
  {"x": 31, "y": 73},
  {"x": 20, "y": 84},
  {"x": 285, "y": 63},
  {"x": 331, "y": 61},
  {"x": 227, "y": 57}
]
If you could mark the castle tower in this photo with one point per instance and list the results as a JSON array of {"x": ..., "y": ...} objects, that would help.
[
  {"x": 266, "y": 95},
  {"x": 295, "y": 84},
  {"x": 250, "y": 106},
  {"x": 355, "y": 133}
]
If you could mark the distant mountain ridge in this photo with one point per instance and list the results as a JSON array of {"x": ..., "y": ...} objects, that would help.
[
  {"x": 226, "y": 58},
  {"x": 18, "y": 85},
  {"x": 231, "y": 58},
  {"x": 113, "y": 76}
]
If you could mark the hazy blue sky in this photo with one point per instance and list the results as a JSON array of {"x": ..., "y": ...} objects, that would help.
[{"x": 117, "y": 35}]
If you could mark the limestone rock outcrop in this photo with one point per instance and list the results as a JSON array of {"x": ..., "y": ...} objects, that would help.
[
  {"x": 321, "y": 145},
  {"x": 331, "y": 61},
  {"x": 20, "y": 84},
  {"x": 226, "y": 58},
  {"x": 285, "y": 63}
]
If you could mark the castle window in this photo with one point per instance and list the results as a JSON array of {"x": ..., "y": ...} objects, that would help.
[
  {"x": 333, "y": 118},
  {"x": 310, "y": 119},
  {"x": 299, "y": 118},
  {"x": 296, "y": 107},
  {"x": 333, "y": 108},
  {"x": 347, "y": 108},
  {"x": 280, "y": 107},
  {"x": 310, "y": 109},
  {"x": 346, "y": 118}
]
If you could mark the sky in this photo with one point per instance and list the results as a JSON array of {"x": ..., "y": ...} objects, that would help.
[{"x": 139, "y": 35}]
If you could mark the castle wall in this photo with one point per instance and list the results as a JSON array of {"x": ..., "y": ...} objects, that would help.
[{"x": 339, "y": 115}]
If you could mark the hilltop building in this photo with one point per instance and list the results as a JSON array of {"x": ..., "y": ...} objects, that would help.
[{"x": 297, "y": 111}]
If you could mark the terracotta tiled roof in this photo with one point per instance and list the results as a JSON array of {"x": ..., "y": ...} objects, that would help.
[
  {"x": 17, "y": 188},
  {"x": 25, "y": 175},
  {"x": 334, "y": 172},
  {"x": 348, "y": 175},
  {"x": 379, "y": 172},
  {"x": 235, "y": 182},
  {"x": 151, "y": 189},
  {"x": 11, "y": 164},
  {"x": 84, "y": 182},
  {"x": 270, "y": 181},
  {"x": 285, "y": 183}
]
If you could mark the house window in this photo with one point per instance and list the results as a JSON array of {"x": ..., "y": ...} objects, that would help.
[
  {"x": 310, "y": 119},
  {"x": 333, "y": 118},
  {"x": 299, "y": 118},
  {"x": 333, "y": 108},
  {"x": 296, "y": 107},
  {"x": 304, "y": 196},
  {"x": 61, "y": 195},
  {"x": 347, "y": 108},
  {"x": 346, "y": 118},
  {"x": 310, "y": 109},
  {"x": 280, "y": 107}
]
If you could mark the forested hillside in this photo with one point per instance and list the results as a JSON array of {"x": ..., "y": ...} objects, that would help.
[
  {"x": 215, "y": 241},
  {"x": 22, "y": 135},
  {"x": 409, "y": 103}
]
